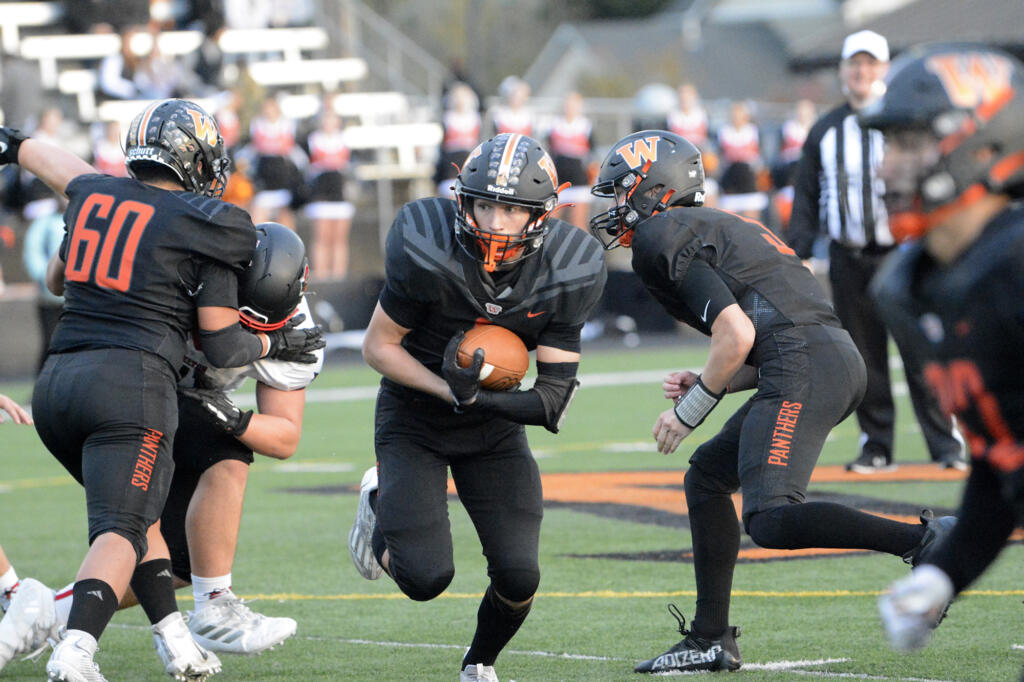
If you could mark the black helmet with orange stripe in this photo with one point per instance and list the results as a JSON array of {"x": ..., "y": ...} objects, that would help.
[
  {"x": 270, "y": 289},
  {"x": 507, "y": 169},
  {"x": 959, "y": 109},
  {"x": 645, "y": 173},
  {"x": 180, "y": 136}
]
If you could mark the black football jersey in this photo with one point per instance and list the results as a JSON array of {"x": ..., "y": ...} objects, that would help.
[
  {"x": 765, "y": 277},
  {"x": 434, "y": 288},
  {"x": 967, "y": 319},
  {"x": 138, "y": 261}
]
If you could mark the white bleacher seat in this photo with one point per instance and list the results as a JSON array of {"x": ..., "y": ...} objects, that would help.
[
  {"x": 404, "y": 140},
  {"x": 14, "y": 15},
  {"x": 48, "y": 49},
  {"x": 171, "y": 43},
  {"x": 124, "y": 110},
  {"x": 288, "y": 41},
  {"x": 82, "y": 84},
  {"x": 372, "y": 107},
  {"x": 327, "y": 72}
]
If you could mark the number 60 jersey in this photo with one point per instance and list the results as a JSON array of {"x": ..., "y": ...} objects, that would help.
[{"x": 139, "y": 260}]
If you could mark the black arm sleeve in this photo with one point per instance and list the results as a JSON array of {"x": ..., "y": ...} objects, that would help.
[
  {"x": 704, "y": 292},
  {"x": 543, "y": 405},
  {"x": 231, "y": 346}
]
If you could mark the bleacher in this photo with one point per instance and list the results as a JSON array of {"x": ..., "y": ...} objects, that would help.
[{"x": 286, "y": 60}]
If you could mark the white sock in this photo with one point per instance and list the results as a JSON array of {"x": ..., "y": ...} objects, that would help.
[
  {"x": 8, "y": 585},
  {"x": 205, "y": 589},
  {"x": 62, "y": 599}
]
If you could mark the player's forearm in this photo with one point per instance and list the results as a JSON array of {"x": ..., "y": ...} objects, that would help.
[
  {"x": 394, "y": 362},
  {"x": 272, "y": 436},
  {"x": 53, "y": 165},
  {"x": 732, "y": 337}
]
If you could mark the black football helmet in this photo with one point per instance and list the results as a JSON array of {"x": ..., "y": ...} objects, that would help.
[
  {"x": 270, "y": 289},
  {"x": 968, "y": 100},
  {"x": 509, "y": 169},
  {"x": 647, "y": 171},
  {"x": 179, "y": 135}
]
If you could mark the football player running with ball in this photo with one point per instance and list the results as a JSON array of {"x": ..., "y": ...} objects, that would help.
[
  {"x": 953, "y": 121},
  {"x": 143, "y": 258},
  {"x": 771, "y": 329},
  {"x": 493, "y": 255}
]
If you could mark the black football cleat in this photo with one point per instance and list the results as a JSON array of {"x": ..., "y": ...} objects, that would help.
[
  {"x": 696, "y": 653},
  {"x": 935, "y": 530}
]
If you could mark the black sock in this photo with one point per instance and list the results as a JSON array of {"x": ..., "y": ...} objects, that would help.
[
  {"x": 153, "y": 585},
  {"x": 93, "y": 605},
  {"x": 496, "y": 623},
  {"x": 716, "y": 542},
  {"x": 827, "y": 524}
]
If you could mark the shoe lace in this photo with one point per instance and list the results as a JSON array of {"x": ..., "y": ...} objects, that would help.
[{"x": 680, "y": 619}]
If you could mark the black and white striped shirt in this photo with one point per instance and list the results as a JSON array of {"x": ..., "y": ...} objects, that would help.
[{"x": 838, "y": 190}]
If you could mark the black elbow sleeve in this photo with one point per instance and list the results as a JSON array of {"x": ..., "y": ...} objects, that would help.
[
  {"x": 543, "y": 405},
  {"x": 231, "y": 346}
]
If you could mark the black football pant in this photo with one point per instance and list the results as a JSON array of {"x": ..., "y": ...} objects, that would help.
[
  {"x": 109, "y": 416},
  {"x": 418, "y": 439},
  {"x": 850, "y": 273}
]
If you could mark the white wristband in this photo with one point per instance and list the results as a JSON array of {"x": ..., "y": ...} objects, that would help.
[{"x": 696, "y": 404}]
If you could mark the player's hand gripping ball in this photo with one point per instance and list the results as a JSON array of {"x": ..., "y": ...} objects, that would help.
[{"x": 505, "y": 356}]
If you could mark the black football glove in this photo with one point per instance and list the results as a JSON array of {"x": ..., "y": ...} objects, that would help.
[
  {"x": 10, "y": 141},
  {"x": 463, "y": 382},
  {"x": 291, "y": 344},
  {"x": 221, "y": 410}
]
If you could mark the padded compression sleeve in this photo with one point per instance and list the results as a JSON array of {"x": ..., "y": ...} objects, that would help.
[
  {"x": 231, "y": 346},
  {"x": 543, "y": 405}
]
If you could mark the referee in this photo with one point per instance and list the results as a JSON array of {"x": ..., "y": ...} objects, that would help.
[{"x": 838, "y": 192}]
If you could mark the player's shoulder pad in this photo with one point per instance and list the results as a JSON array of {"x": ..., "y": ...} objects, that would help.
[
  {"x": 212, "y": 210},
  {"x": 84, "y": 182},
  {"x": 891, "y": 284},
  {"x": 567, "y": 247},
  {"x": 422, "y": 237}
]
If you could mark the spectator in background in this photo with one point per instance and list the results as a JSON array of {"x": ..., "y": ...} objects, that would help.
[
  {"x": 108, "y": 153},
  {"x": 690, "y": 120},
  {"x": 838, "y": 193},
  {"x": 329, "y": 158},
  {"x": 279, "y": 184},
  {"x": 513, "y": 116},
  {"x": 570, "y": 141},
  {"x": 39, "y": 200},
  {"x": 461, "y": 122},
  {"x": 117, "y": 72},
  {"x": 230, "y": 122},
  {"x": 794, "y": 133},
  {"x": 740, "y": 145},
  {"x": 42, "y": 241}
]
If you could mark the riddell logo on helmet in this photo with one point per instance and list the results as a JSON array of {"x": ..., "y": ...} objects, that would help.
[
  {"x": 635, "y": 153},
  {"x": 500, "y": 190}
]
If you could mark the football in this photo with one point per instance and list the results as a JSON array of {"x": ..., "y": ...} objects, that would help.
[{"x": 505, "y": 356}]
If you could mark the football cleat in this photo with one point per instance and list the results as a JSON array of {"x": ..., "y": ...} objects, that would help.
[
  {"x": 868, "y": 463},
  {"x": 914, "y": 606},
  {"x": 183, "y": 658},
  {"x": 360, "y": 545},
  {"x": 935, "y": 530},
  {"x": 478, "y": 672},
  {"x": 71, "y": 660},
  {"x": 226, "y": 625},
  {"x": 695, "y": 653},
  {"x": 30, "y": 624}
]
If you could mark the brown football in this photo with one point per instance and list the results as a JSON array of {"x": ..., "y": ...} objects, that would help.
[{"x": 505, "y": 356}]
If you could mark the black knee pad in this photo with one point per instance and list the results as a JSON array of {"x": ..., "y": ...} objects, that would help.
[
  {"x": 425, "y": 584},
  {"x": 700, "y": 487},
  {"x": 768, "y": 529},
  {"x": 518, "y": 584},
  {"x": 515, "y": 613}
]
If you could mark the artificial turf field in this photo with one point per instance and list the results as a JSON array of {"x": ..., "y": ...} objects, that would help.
[{"x": 613, "y": 553}]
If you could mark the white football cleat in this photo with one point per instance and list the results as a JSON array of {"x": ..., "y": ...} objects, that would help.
[
  {"x": 360, "y": 545},
  {"x": 225, "y": 624},
  {"x": 30, "y": 623},
  {"x": 914, "y": 606},
  {"x": 71, "y": 660},
  {"x": 181, "y": 655},
  {"x": 478, "y": 672}
]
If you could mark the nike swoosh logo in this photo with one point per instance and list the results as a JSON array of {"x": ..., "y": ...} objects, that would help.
[
  {"x": 704, "y": 317},
  {"x": 532, "y": 314}
]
